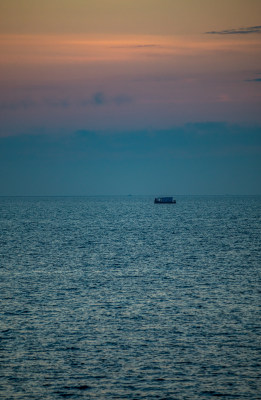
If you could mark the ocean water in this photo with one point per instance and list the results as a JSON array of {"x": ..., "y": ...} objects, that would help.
[{"x": 118, "y": 298}]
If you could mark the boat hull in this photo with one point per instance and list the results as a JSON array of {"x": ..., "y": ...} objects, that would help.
[{"x": 164, "y": 200}]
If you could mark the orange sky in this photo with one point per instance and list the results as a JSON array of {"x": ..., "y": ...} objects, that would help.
[
  {"x": 155, "y": 54},
  {"x": 157, "y": 17}
]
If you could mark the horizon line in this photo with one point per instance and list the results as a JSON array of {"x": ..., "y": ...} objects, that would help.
[{"x": 128, "y": 195}]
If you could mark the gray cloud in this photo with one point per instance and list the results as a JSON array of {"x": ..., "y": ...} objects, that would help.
[
  {"x": 239, "y": 31},
  {"x": 24, "y": 104},
  {"x": 254, "y": 80},
  {"x": 98, "y": 99},
  {"x": 95, "y": 100}
]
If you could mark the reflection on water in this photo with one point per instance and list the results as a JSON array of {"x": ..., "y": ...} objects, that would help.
[{"x": 118, "y": 298}]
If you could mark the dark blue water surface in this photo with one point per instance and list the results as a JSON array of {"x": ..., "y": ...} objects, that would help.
[{"x": 118, "y": 298}]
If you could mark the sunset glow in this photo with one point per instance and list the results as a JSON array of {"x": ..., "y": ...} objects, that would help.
[{"x": 124, "y": 66}]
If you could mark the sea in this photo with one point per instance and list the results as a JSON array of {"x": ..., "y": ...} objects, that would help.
[{"x": 115, "y": 297}]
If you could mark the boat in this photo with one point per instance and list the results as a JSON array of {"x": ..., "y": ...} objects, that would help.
[{"x": 164, "y": 200}]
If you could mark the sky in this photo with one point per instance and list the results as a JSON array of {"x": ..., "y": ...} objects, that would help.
[{"x": 126, "y": 97}]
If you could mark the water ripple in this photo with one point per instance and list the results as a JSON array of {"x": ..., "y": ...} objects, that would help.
[{"x": 118, "y": 298}]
